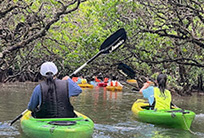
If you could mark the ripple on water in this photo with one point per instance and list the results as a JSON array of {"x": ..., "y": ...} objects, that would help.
[
  {"x": 126, "y": 129},
  {"x": 134, "y": 129},
  {"x": 7, "y": 131}
]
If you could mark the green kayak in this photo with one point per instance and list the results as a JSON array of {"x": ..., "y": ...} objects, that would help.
[
  {"x": 80, "y": 127},
  {"x": 175, "y": 117}
]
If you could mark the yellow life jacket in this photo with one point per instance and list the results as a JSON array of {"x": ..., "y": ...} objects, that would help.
[
  {"x": 162, "y": 100},
  {"x": 83, "y": 81}
]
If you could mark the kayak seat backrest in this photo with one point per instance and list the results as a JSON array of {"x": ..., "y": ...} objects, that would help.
[
  {"x": 62, "y": 123},
  {"x": 150, "y": 107}
]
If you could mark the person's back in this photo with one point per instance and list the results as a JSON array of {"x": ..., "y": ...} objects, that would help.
[
  {"x": 50, "y": 99},
  {"x": 55, "y": 102},
  {"x": 163, "y": 101},
  {"x": 160, "y": 96},
  {"x": 114, "y": 82}
]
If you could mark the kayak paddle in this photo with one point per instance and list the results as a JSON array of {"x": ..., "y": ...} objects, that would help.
[
  {"x": 109, "y": 45},
  {"x": 18, "y": 117},
  {"x": 127, "y": 72}
]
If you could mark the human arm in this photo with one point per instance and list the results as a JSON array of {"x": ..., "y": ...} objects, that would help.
[
  {"x": 74, "y": 89},
  {"x": 145, "y": 86},
  {"x": 65, "y": 78},
  {"x": 148, "y": 93},
  {"x": 35, "y": 99}
]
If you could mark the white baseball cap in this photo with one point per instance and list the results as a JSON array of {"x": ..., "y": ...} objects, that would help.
[{"x": 48, "y": 67}]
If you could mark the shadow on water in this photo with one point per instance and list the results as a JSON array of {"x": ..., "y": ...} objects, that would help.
[{"x": 110, "y": 111}]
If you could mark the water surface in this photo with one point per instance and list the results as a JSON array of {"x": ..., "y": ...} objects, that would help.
[{"x": 110, "y": 111}]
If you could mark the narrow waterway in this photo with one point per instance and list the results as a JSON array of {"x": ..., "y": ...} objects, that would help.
[{"x": 110, "y": 111}]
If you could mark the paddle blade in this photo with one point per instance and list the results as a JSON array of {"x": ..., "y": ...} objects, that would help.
[
  {"x": 126, "y": 70},
  {"x": 114, "y": 41}
]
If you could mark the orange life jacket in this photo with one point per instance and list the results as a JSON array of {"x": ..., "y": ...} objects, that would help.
[
  {"x": 75, "y": 79},
  {"x": 116, "y": 84},
  {"x": 105, "y": 80},
  {"x": 97, "y": 80}
]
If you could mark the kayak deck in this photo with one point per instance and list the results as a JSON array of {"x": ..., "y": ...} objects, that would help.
[
  {"x": 131, "y": 81},
  {"x": 114, "y": 88},
  {"x": 175, "y": 118},
  {"x": 81, "y": 126},
  {"x": 86, "y": 85}
]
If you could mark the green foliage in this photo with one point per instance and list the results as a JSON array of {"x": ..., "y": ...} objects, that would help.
[{"x": 78, "y": 36}]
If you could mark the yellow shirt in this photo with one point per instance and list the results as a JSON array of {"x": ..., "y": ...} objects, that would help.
[
  {"x": 83, "y": 81},
  {"x": 162, "y": 100}
]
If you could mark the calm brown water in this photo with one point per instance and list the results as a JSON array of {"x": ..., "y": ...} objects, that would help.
[{"x": 110, "y": 111}]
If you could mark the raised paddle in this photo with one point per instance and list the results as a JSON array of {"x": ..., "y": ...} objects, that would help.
[
  {"x": 109, "y": 45},
  {"x": 127, "y": 72},
  {"x": 112, "y": 43}
]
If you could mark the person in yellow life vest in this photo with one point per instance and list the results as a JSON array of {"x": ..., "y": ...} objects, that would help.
[
  {"x": 159, "y": 96},
  {"x": 83, "y": 80},
  {"x": 114, "y": 82}
]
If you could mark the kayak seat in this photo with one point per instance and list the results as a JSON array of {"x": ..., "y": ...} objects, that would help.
[
  {"x": 62, "y": 123},
  {"x": 150, "y": 107}
]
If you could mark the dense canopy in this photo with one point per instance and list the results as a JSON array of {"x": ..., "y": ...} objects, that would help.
[{"x": 163, "y": 36}]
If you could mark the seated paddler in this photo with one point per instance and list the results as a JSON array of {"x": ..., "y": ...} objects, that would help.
[
  {"x": 51, "y": 98},
  {"x": 159, "y": 97}
]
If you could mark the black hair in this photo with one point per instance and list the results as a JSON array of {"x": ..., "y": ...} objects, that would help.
[
  {"x": 161, "y": 80},
  {"x": 92, "y": 79},
  {"x": 50, "y": 82},
  {"x": 114, "y": 78}
]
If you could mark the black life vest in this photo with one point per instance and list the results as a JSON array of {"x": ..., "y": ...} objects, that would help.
[{"x": 55, "y": 104}]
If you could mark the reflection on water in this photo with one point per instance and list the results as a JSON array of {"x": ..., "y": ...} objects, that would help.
[
  {"x": 8, "y": 131},
  {"x": 110, "y": 111}
]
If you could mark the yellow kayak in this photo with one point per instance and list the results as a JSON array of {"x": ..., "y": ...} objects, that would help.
[
  {"x": 114, "y": 88},
  {"x": 131, "y": 81},
  {"x": 86, "y": 85}
]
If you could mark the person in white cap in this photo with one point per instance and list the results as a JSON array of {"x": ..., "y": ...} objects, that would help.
[{"x": 50, "y": 98}]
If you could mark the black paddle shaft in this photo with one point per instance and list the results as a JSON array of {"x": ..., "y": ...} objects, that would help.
[{"x": 18, "y": 117}]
